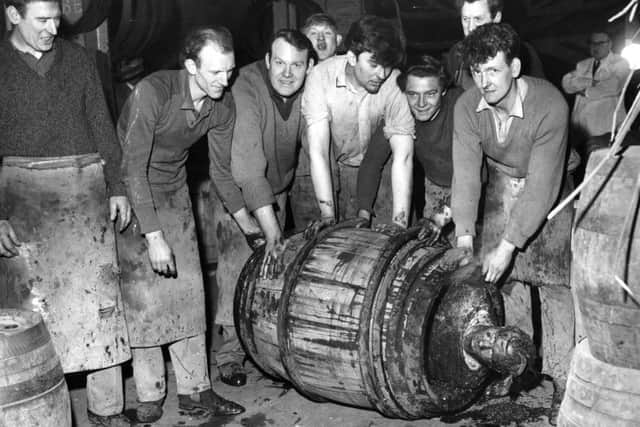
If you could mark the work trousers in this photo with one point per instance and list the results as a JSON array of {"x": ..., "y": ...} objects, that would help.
[
  {"x": 105, "y": 395},
  {"x": 189, "y": 361},
  {"x": 233, "y": 253}
]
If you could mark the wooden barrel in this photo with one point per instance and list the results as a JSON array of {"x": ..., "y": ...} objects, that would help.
[
  {"x": 599, "y": 394},
  {"x": 33, "y": 391},
  {"x": 610, "y": 317},
  {"x": 356, "y": 317}
]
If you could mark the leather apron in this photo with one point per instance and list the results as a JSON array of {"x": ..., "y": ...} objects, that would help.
[
  {"x": 161, "y": 310},
  {"x": 546, "y": 258},
  {"x": 67, "y": 266}
]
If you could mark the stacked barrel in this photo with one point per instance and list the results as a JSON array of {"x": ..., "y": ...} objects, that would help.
[{"x": 603, "y": 388}]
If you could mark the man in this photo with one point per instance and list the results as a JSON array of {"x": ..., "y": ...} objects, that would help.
[
  {"x": 518, "y": 127},
  {"x": 596, "y": 83},
  {"x": 162, "y": 280},
  {"x": 322, "y": 30},
  {"x": 56, "y": 243},
  {"x": 348, "y": 98},
  {"x": 431, "y": 103},
  {"x": 263, "y": 158},
  {"x": 474, "y": 13}
]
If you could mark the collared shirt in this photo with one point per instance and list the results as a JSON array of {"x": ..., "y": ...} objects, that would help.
[
  {"x": 39, "y": 65},
  {"x": 502, "y": 126},
  {"x": 353, "y": 113},
  {"x": 157, "y": 126},
  {"x": 534, "y": 149},
  {"x": 596, "y": 94}
]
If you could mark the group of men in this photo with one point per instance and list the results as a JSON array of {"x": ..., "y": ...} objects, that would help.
[{"x": 504, "y": 139}]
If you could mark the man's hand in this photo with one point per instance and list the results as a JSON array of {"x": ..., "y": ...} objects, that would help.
[
  {"x": 429, "y": 231},
  {"x": 363, "y": 220},
  {"x": 8, "y": 240},
  {"x": 272, "y": 263},
  {"x": 161, "y": 255},
  {"x": 459, "y": 256},
  {"x": 497, "y": 261},
  {"x": 317, "y": 225},
  {"x": 390, "y": 228},
  {"x": 120, "y": 204},
  {"x": 255, "y": 240}
]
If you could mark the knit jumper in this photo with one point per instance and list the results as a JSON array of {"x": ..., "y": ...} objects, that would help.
[
  {"x": 60, "y": 114},
  {"x": 264, "y": 148}
]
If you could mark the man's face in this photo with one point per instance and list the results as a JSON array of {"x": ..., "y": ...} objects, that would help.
[
  {"x": 287, "y": 67},
  {"x": 368, "y": 73},
  {"x": 475, "y": 14},
  {"x": 599, "y": 45},
  {"x": 37, "y": 29},
  {"x": 495, "y": 78},
  {"x": 214, "y": 72},
  {"x": 324, "y": 39},
  {"x": 424, "y": 95}
]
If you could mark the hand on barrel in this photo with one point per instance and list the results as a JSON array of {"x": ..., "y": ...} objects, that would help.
[
  {"x": 255, "y": 240},
  {"x": 161, "y": 255},
  {"x": 318, "y": 225},
  {"x": 120, "y": 205},
  {"x": 497, "y": 261},
  {"x": 429, "y": 231},
  {"x": 459, "y": 256},
  {"x": 273, "y": 263},
  {"x": 8, "y": 240}
]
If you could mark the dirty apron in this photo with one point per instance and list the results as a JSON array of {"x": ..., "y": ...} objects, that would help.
[
  {"x": 67, "y": 267},
  {"x": 546, "y": 259},
  {"x": 161, "y": 310}
]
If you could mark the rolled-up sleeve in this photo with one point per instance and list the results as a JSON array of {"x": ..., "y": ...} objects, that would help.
[
  {"x": 315, "y": 107},
  {"x": 136, "y": 132},
  {"x": 248, "y": 161},
  {"x": 220, "y": 139},
  {"x": 467, "y": 163},
  {"x": 398, "y": 119}
]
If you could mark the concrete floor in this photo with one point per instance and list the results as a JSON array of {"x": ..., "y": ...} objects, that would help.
[{"x": 271, "y": 403}]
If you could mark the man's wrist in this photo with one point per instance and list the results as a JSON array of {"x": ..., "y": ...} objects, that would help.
[
  {"x": 506, "y": 245},
  {"x": 154, "y": 235}
]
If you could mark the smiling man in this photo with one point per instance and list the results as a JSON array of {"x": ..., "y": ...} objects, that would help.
[
  {"x": 167, "y": 112},
  {"x": 58, "y": 145},
  {"x": 431, "y": 103},
  {"x": 347, "y": 99},
  {"x": 517, "y": 127},
  {"x": 263, "y": 159}
]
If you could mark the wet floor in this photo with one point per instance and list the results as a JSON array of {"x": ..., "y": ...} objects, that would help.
[{"x": 273, "y": 404}]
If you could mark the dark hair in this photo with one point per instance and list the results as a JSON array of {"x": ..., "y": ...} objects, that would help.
[
  {"x": 21, "y": 5},
  {"x": 428, "y": 67},
  {"x": 202, "y": 36},
  {"x": 495, "y": 6},
  {"x": 296, "y": 39},
  {"x": 487, "y": 40},
  {"x": 319, "y": 19},
  {"x": 377, "y": 36}
]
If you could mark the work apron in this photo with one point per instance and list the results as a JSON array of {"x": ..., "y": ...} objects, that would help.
[
  {"x": 546, "y": 259},
  {"x": 67, "y": 267},
  {"x": 161, "y": 310}
]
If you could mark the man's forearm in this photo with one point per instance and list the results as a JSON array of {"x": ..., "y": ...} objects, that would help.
[
  {"x": 268, "y": 223},
  {"x": 321, "y": 178},
  {"x": 401, "y": 186},
  {"x": 246, "y": 222}
]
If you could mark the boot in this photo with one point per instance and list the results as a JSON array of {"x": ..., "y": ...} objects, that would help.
[{"x": 208, "y": 401}]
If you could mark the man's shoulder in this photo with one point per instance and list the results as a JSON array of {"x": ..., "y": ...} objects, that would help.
[
  {"x": 469, "y": 98},
  {"x": 329, "y": 69},
  {"x": 161, "y": 83},
  {"x": 250, "y": 77},
  {"x": 543, "y": 89}
]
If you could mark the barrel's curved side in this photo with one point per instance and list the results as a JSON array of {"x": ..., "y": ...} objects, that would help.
[
  {"x": 321, "y": 328},
  {"x": 610, "y": 317}
]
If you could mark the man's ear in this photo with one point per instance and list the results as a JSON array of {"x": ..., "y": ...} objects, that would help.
[
  {"x": 267, "y": 60},
  {"x": 13, "y": 15},
  {"x": 310, "y": 64},
  {"x": 497, "y": 17},
  {"x": 516, "y": 67},
  {"x": 191, "y": 66},
  {"x": 352, "y": 59},
  {"x": 338, "y": 39}
]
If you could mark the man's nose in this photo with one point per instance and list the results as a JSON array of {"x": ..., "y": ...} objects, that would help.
[
  {"x": 422, "y": 100},
  {"x": 51, "y": 27},
  {"x": 224, "y": 80},
  {"x": 287, "y": 70}
]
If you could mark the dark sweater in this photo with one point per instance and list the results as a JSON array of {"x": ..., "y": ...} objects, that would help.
[
  {"x": 265, "y": 137},
  {"x": 59, "y": 114}
]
